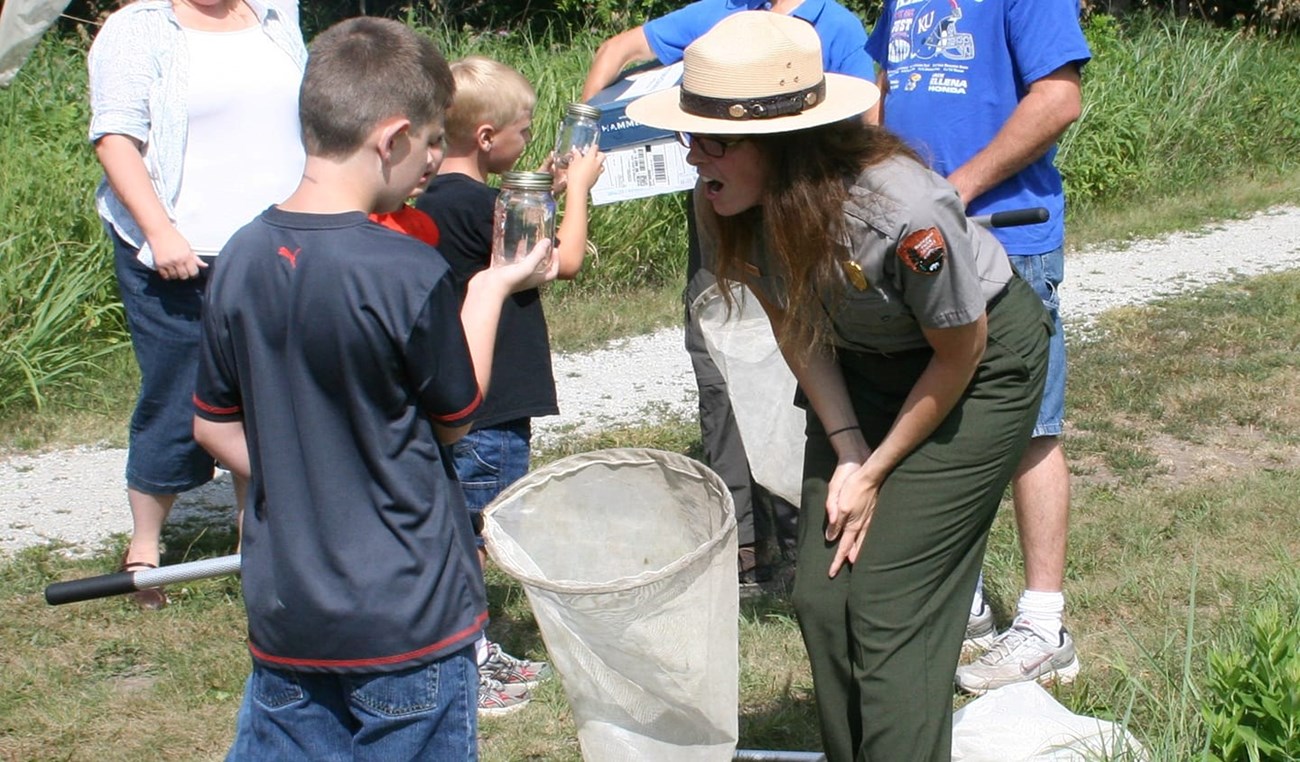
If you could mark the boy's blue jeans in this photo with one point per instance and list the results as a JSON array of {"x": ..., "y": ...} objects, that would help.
[
  {"x": 427, "y": 712},
  {"x": 490, "y": 459}
]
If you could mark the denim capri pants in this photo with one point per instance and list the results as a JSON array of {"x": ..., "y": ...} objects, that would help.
[{"x": 163, "y": 318}]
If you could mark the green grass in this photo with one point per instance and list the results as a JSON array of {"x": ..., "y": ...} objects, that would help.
[
  {"x": 580, "y": 322},
  {"x": 1171, "y": 103},
  {"x": 1181, "y": 521}
]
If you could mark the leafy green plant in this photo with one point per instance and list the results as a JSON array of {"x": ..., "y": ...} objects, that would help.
[{"x": 1252, "y": 697}]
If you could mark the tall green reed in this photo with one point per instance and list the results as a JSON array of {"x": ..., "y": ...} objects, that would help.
[
  {"x": 59, "y": 313},
  {"x": 1168, "y": 103}
]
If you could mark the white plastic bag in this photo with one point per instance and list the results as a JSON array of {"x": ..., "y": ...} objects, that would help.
[
  {"x": 1023, "y": 723},
  {"x": 22, "y": 22}
]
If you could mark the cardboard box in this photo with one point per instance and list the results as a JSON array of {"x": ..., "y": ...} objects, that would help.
[
  {"x": 640, "y": 161},
  {"x": 616, "y": 130}
]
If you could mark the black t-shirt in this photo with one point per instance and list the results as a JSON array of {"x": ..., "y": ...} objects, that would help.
[
  {"x": 338, "y": 342},
  {"x": 522, "y": 384}
]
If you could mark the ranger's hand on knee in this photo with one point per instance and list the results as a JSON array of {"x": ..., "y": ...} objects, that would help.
[{"x": 850, "y": 504}]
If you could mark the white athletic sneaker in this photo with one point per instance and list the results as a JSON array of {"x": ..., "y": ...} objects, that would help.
[
  {"x": 980, "y": 632},
  {"x": 511, "y": 671},
  {"x": 497, "y": 700},
  {"x": 1019, "y": 655}
]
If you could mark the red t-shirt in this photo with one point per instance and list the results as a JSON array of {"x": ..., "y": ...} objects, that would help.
[{"x": 410, "y": 221}]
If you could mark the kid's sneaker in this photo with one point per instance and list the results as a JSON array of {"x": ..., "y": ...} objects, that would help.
[
  {"x": 511, "y": 671},
  {"x": 1019, "y": 655},
  {"x": 496, "y": 700}
]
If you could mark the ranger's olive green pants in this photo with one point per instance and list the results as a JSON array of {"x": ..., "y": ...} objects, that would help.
[{"x": 884, "y": 635}]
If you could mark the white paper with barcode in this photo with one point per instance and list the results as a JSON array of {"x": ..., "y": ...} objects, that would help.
[{"x": 643, "y": 170}]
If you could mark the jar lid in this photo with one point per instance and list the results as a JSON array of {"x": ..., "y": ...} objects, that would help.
[
  {"x": 582, "y": 109},
  {"x": 526, "y": 180}
]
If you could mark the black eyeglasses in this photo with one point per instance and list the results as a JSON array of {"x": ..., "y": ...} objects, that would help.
[{"x": 712, "y": 145}]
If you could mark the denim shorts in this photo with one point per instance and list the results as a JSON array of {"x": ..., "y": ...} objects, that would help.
[
  {"x": 427, "y": 712},
  {"x": 1044, "y": 273},
  {"x": 490, "y": 459},
  {"x": 163, "y": 318}
]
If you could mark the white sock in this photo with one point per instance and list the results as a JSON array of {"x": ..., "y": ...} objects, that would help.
[
  {"x": 1042, "y": 612},
  {"x": 977, "y": 605},
  {"x": 481, "y": 650}
]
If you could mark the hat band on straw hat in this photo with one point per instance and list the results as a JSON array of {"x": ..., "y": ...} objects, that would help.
[{"x": 753, "y": 108}]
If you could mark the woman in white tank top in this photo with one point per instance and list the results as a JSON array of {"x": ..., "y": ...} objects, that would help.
[{"x": 194, "y": 118}]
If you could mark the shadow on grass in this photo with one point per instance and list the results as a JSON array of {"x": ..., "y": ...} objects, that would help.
[
  {"x": 511, "y": 620},
  {"x": 202, "y": 524}
]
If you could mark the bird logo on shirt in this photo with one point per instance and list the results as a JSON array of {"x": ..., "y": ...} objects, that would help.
[{"x": 292, "y": 256}]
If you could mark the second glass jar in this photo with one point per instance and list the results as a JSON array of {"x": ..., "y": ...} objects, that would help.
[{"x": 580, "y": 129}]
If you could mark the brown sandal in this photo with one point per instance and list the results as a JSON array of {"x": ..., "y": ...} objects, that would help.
[{"x": 151, "y": 598}]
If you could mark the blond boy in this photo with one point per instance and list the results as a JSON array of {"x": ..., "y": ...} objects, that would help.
[{"x": 489, "y": 124}]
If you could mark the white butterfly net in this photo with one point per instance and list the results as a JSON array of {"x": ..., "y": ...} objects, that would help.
[
  {"x": 628, "y": 557},
  {"x": 759, "y": 384}
]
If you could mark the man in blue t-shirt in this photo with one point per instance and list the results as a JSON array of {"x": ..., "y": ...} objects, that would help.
[
  {"x": 759, "y": 516},
  {"x": 983, "y": 89}
]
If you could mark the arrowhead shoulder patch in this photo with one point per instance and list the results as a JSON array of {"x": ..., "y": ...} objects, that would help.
[{"x": 923, "y": 251}]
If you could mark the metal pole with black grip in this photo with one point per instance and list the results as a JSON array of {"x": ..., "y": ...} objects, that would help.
[
  {"x": 121, "y": 583},
  {"x": 1012, "y": 218}
]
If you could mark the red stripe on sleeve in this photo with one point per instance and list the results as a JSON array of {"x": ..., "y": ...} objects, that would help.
[
  {"x": 205, "y": 407},
  {"x": 463, "y": 413}
]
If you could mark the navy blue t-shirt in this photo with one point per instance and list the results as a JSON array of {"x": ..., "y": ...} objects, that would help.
[
  {"x": 338, "y": 343},
  {"x": 522, "y": 382}
]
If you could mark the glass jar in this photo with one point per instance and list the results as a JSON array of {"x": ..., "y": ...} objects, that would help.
[
  {"x": 524, "y": 215},
  {"x": 580, "y": 129}
]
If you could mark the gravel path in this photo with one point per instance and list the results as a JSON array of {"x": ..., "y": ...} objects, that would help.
[{"x": 77, "y": 495}]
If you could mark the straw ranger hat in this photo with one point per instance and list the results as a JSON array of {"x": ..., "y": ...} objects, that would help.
[{"x": 755, "y": 72}]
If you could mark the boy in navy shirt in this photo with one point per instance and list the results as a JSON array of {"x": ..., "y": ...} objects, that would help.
[{"x": 337, "y": 363}]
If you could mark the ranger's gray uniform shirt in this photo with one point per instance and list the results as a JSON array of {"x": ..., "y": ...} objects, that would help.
[{"x": 914, "y": 261}]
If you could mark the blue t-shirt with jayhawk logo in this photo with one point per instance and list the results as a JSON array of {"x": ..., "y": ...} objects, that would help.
[{"x": 957, "y": 69}]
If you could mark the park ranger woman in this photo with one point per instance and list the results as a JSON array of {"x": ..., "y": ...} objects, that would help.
[{"x": 920, "y": 357}]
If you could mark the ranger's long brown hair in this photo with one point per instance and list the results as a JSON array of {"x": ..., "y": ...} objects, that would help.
[{"x": 800, "y": 219}]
